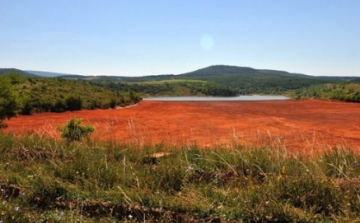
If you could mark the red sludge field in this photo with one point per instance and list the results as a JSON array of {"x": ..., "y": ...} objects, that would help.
[{"x": 300, "y": 126}]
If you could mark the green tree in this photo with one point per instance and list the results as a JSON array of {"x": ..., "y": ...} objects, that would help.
[
  {"x": 59, "y": 106},
  {"x": 73, "y": 131},
  {"x": 8, "y": 100},
  {"x": 73, "y": 103},
  {"x": 112, "y": 103},
  {"x": 27, "y": 108},
  {"x": 134, "y": 97}
]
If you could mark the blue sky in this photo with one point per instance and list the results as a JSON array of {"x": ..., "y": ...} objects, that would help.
[{"x": 133, "y": 38}]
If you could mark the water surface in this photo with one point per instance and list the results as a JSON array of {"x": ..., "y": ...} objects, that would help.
[{"x": 237, "y": 98}]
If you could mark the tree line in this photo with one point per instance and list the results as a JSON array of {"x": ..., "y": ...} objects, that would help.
[
  {"x": 172, "y": 88},
  {"x": 348, "y": 92}
]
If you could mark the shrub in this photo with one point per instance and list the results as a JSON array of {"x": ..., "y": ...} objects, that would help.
[
  {"x": 27, "y": 108},
  {"x": 8, "y": 99},
  {"x": 134, "y": 97},
  {"x": 112, "y": 103},
  {"x": 73, "y": 131},
  {"x": 59, "y": 106},
  {"x": 73, "y": 103}
]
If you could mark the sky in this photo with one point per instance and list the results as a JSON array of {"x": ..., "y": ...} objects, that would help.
[{"x": 148, "y": 37}]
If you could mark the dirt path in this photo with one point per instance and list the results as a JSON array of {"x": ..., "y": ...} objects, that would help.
[{"x": 300, "y": 125}]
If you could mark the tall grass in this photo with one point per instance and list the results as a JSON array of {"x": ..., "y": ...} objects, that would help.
[{"x": 49, "y": 180}]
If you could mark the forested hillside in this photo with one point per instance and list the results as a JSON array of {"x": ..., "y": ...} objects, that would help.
[
  {"x": 36, "y": 94},
  {"x": 4, "y": 71},
  {"x": 228, "y": 80},
  {"x": 349, "y": 92},
  {"x": 248, "y": 80},
  {"x": 175, "y": 87},
  {"x": 219, "y": 80}
]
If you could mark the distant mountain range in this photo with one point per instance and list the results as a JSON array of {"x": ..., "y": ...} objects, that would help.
[
  {"x": 206, "y": 72},
  {"x": 243, "y": 79},
  {"x": 47, "y": 74},
  {"x": 33, "y": 73},
  {"x": 4, "y": 71}
]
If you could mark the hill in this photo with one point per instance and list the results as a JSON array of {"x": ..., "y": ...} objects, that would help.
[
  {"x": 248, "y": 80},
  {"x": 48, "y": 74},
  {"x": 239, "y": 80},
  {"x": 4, "y": 71},
  {"x": 349, "y": 92},
  {"x": 222, "y": 80},
  {"x": 220, "y": 70},
  {"x": 40, "y": 94}
]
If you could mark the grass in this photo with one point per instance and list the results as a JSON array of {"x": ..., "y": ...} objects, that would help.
[{"x": 50, "y": 180}]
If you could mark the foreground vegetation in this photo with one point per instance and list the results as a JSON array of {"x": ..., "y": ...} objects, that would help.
[{"x": 51, "y": 180}]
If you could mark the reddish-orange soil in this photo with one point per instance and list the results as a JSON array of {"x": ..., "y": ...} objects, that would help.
[{"x": 300, "y": 125}]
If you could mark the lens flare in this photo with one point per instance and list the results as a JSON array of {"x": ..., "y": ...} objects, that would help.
[{"x": 207, "y": 42}]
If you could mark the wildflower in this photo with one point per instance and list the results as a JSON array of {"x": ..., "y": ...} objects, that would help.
[
  {"x": 130, "y": 216},
  {"x": 16, "y": 208},
  {"x": 23, "y": 194}
]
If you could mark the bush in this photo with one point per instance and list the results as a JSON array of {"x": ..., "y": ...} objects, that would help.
[
  {"x": 8, "y": 99},
  {"x": 27, "y": 108},
  {"x": 73, "y": 103},
  {"x": 59, "y": 106},
  {"x": 73, "y": 131},
  {"x": 112, "y": 103}
]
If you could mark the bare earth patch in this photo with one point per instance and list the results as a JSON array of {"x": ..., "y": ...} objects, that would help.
[{"x": 302, "y": 126}]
